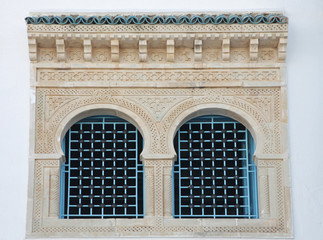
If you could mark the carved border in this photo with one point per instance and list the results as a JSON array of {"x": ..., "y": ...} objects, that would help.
[
  {"x": 159, "y": 28},
  {"x": 158, "y": 226},
  {"x": 114, "y": 77}
]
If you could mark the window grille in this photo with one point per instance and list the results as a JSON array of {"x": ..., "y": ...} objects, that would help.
[
  {"x": 214, "y": 175},
  {"x": 103, "y": 175}
]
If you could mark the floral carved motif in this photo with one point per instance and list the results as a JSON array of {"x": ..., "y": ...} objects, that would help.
[
  {"x": 101, "y": 55},
  {"x": 47, "y": 55},
  {"x": 129, "y": 55},
  {"x": 264, "y": 103},
  {"x": 211, "y": 55},
  {"x": 74, "y": 55},
  {"x": 158, "y": 105},
  {"x": 267, "y": 54},
  {"x": 55, "y": 102},
  {"x": 157, "y": 55},
  {"x": 184, "y": 55},
  {"x": 239, "y": 55}
]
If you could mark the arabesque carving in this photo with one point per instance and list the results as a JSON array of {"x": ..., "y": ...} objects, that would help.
[{"x": 157, "y": 104}]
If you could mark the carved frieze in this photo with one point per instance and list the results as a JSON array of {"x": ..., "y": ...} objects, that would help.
[{"x": 158, "y": 76}]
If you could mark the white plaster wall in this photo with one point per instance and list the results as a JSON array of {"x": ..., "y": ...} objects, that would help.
[{"x": 305, "y": 99}]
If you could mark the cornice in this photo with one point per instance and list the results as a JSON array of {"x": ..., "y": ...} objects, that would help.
[
  {"x": 155, "y": 19},
  {"x": 191, "y": 38}
]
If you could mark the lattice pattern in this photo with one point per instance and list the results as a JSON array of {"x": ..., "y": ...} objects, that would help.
[
  {"x": 210, "y": 28},
  {"x": 103, "y": 176},
  {"x": 214, "y": 175}
]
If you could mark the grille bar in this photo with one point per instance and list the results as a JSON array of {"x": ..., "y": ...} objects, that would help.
[
  {"x": 214, "y": 175},
  {"x": 102, "y": 176}
]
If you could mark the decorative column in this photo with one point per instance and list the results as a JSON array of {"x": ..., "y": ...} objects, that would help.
[
  {"x": 168, "y": 190},
  {"x": 158, "y": 187}
]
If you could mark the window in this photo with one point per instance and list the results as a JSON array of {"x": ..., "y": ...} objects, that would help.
[
  {"x": 158, "y": 72},
  {"x": 214, "y": 175},
  {"x": 102, "y": 176}
]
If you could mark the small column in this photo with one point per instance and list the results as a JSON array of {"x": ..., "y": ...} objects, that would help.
[
  {"x": 168, "y": 191},
  {"x": 142, "y": 50},
  {"x": 170, "y": 50},
  {"x": 158, "y": 187},
  {"x": 115, "y": 50},
  {"x": 253, "y": 49},
  {"x": 60, "y": 49},
  {"x": 87, "y": 44},
  {"x": 226, "y": 49},
  {"x": 149, "y": 191},
  {"x": 198, "y": 50},
  {"x": 282, "y": 47}
]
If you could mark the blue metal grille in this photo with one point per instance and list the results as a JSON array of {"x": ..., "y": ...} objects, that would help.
[
  {"x": 102, "y": 176},
  {"x": 214, "y": 175}
]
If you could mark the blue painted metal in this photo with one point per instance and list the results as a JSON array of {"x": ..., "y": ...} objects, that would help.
[
  {"x": 103, "y": 175},
  {"x": 214, "y": 175},
  {"x": 158, "y": 19}
]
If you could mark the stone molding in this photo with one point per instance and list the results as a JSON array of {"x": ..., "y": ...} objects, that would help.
[{"x": 158, "y": 77}]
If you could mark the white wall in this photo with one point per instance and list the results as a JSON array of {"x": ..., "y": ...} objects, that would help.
[{"x": 305, "y": 99}]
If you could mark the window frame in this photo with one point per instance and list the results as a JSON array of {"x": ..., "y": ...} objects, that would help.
[
  {"x": 67, "y": 147},
  {"x": 250, "y": 173}
]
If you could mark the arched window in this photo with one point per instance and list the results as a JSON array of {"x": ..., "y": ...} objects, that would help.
[
  {"x": 102, "y": 176},
  {"x": 214, "y": 175}
]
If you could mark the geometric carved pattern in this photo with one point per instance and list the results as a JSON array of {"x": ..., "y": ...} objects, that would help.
[
  {"x": 208, "y": 76},
  {"x": 53, "y": 103},
  {"x": 47, "y": 55},
  {"x": 158, "y": 103},
  {"x": 264, "y": 103},
  {"x": 157, "y": 225},
  {"x": 161, "y": 28}
]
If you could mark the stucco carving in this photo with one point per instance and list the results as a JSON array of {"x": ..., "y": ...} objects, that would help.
[
  {"x": 158, "y": 77},
  {"x": 258, "y": 103},
  {"x": 161, "y": 28}
]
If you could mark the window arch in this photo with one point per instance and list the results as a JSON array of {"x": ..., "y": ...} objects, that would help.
[
  {"x": 102, "y": 176},
  {"x": 214, "y": 175}
]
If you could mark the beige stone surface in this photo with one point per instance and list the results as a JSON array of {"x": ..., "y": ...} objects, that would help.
[{"x": 158, "y": 77}]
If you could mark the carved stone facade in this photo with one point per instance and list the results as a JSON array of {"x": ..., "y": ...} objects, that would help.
[{"x": 158, "y": 76}]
